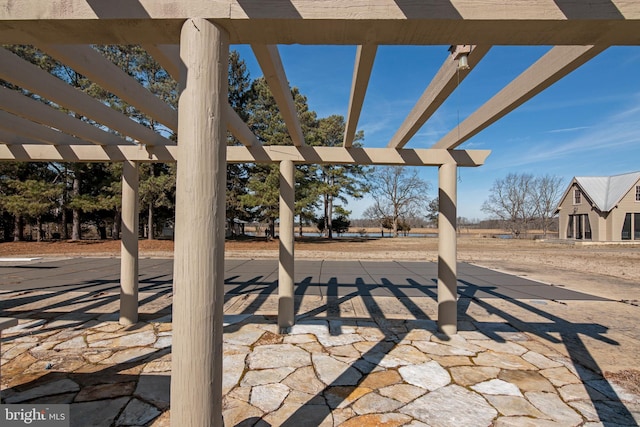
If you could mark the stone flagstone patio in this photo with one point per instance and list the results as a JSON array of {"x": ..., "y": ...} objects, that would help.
[
  {"x": 391, "y": 372},
  {"x": 349, "y": 361}
]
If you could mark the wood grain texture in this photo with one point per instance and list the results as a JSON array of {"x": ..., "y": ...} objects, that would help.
[
  {"x": 198, "y": 299},
  {"x": 446, "y": 22}
]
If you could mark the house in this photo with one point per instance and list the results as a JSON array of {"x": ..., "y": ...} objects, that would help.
[{"x": 601, "y": 208}]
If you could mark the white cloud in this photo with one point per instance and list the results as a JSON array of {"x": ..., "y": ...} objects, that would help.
[
  {"x": 618, "y": 130},
  {"x": 568, "y": 129}
]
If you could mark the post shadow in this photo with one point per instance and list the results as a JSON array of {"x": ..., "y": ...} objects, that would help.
[
  {"x": 569, "y": 333},
  {"x": 569, "y": 336}
]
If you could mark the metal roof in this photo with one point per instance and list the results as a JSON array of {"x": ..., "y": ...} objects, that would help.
[{"x": 606, "y": 191}]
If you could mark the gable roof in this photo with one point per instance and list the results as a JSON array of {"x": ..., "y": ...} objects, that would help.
[{"x": 606, "y": 191}]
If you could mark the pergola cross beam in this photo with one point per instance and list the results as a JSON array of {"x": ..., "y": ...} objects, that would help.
[
  {"x": 24, "y": 106},
  {"x": 241, "y": 154},
  {"x": 365, "y": 55},
  {"x": 90, "y": 63},
  {"x": 382, "y": 22},
  {"x": 551, "y": 67},
  {"x": 269, "y": 59},
  {"x": 441, "y": 87},
  {"x": 23, "y": 127},
  {"x": 30, "y": 77}
]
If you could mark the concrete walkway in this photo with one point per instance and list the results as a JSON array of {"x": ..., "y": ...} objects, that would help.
[{"x": 364, "y": 350}]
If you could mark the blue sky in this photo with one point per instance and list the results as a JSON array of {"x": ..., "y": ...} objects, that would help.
[{"x": 587, "y": 124}]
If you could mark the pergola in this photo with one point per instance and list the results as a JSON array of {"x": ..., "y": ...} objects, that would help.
[{"x": 191, "y": 39}]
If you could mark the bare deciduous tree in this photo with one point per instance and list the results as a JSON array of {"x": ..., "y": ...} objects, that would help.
[
  {"x": 510, "y": 199},
  {"x": 520, "y": 199},
  {"x": 547, "y": 193},
  {"x": 398, "y": 193}
]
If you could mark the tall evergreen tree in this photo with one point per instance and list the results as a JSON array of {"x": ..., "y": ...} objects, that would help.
[
  {"x": 267, "y": 124},
  {"x": 336, "y": 182},
  {"x": 20, "y": 185},
  {"x": 237, "y": 174}
]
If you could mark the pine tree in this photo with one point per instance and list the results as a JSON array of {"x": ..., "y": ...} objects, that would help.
[
  {"x": 269, "y": 127},
  {"x": 338, "y": 181},
  {"x": 237, "y": 174}
]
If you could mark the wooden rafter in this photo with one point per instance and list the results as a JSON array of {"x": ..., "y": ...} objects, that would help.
[
  {"x": 11, "y": 139},
  {"x": 91, "y": 64},
  {"x": 365, "y": 55},
  {"x": 168, "y": 56},
  {"x": 441, "y": 87},
  {"x": 239, "y": 128},
  {"x": 18, "y": 104},
  {"x": 550, "y": 68},
  {"x": 23, "y": 127},
  {"x": 30, "y": 77},
  {"x": 269, "y": 59}
]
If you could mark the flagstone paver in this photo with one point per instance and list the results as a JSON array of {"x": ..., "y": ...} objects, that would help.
[
  {"x": 430, "y": 376},
  {"x": 384, "y": 370},
  {"x": 452, "y": 406},
  {"x": 269, "y": 397},
  {"x": 514, "y": 405},
  {"x": 137, "y": 413},
  {"x": 97, "y": 413},
  {"x": 334, "y": 372},
  {"x": 497, "y": 386},
  {"x": 278, "y": 356},
  {"x": 375, "y": 403},
  {"x": 388, "y": 380}
]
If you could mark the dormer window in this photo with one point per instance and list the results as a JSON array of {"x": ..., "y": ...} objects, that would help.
[{"x": 577, "y": 197}]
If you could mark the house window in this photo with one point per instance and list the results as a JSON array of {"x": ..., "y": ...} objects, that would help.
[
  {"x": 626, "y": 227},
  {"x": 587, "y": 227},
  {"x": 636, "y": 220},
  {"x": 637, "y": 193},
  {"x": 577, "y": 197}
]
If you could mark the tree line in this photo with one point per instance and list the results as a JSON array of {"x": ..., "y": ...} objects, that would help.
[{"x": 72, "y": 196}]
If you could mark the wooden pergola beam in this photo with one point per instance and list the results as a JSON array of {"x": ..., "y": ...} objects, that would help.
[
  {"x": 551, "y": 67},
  {"x": 446, "y": 22},
  {"x": 23, "y": 127},
  {"x": 365, "y": 55},
  {"x": 240, "y": 154},
  {"x": 30, "y": 77},
  {"x": 441, "y": 87},
  {"x": 9, "y": 138},
  {"x": 93, "y": 65},
  {"x": 355, "y": 155},
  {"x": 269, "y": 59},
  {"x": 86, "y": 153},
  {"x": 167, "y": 55},
  {"x": 239, "y": 128},
  {"x": 21, "y": 105}
]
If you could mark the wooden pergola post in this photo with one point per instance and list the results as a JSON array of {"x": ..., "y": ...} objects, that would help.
[
  {"x": 129, "y": 245},
  {"x": 286, "y": 264},
  {"x": 447, "y": 249},
  {"x": 196, "y": 378}
]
